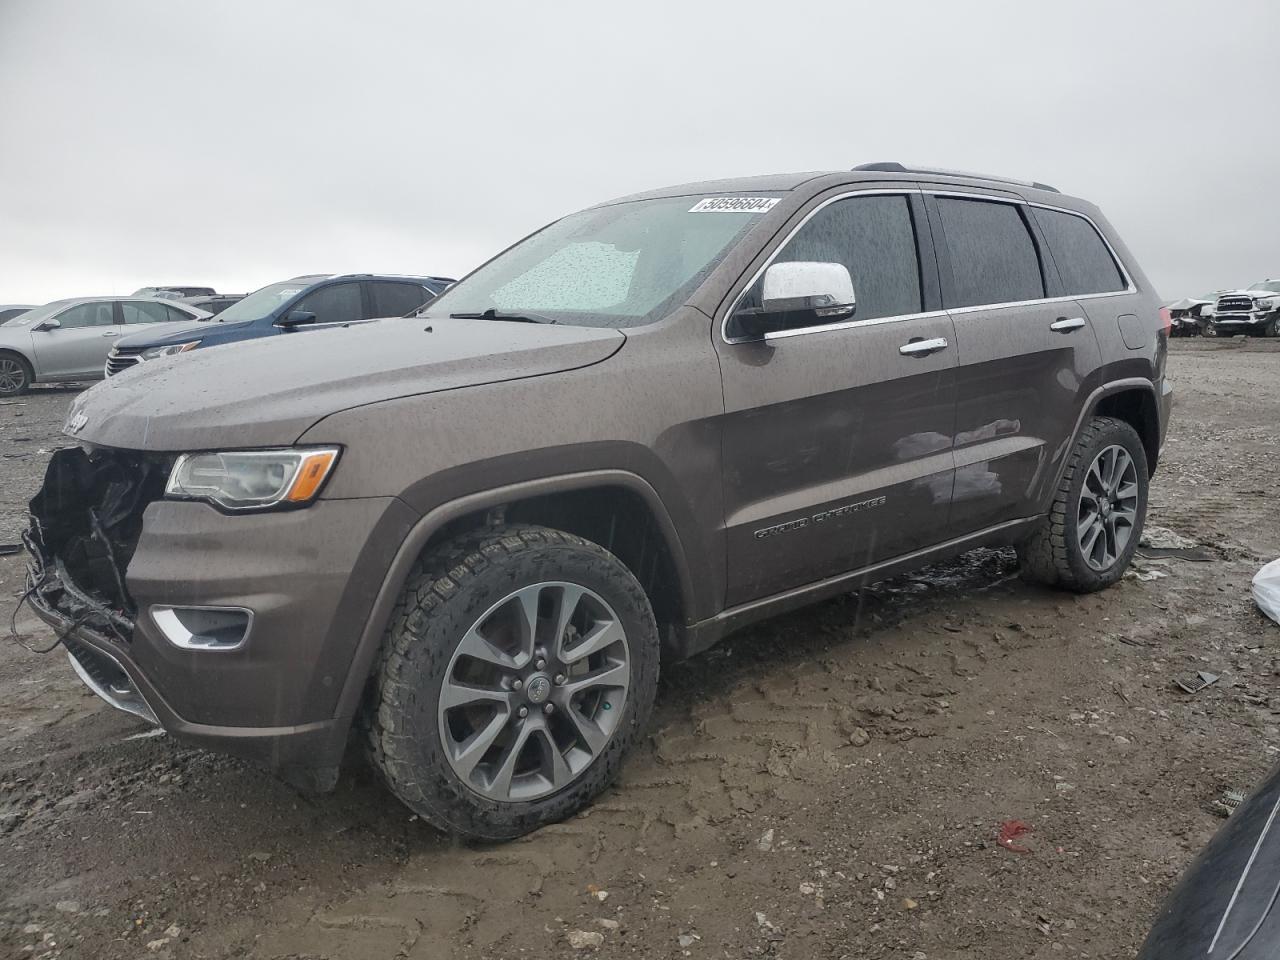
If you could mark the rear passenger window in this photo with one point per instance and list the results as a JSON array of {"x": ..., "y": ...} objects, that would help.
[
  {"x": 144, "y": 312},
  {"x": 176, "y": 314},
  {"x": 1083, "y": 260},
  {"x": 397, "y": 299},
  {"x": 872, "y": 236},
  {"x": 339, "y": 303},
  {"x": 993, "y": 258}
]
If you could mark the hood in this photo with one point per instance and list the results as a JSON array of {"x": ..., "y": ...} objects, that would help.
[
  {"x": 15, "y": 336},
  {"x": 1255, "y": 294},
  {"x": 267, "y": 392},
  {"x": 161, "y": 334}
]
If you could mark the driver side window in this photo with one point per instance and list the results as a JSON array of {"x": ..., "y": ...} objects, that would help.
[
  {"x": 337, "y": 303},
  {"x": 874, "y": 237},
  {"x": 86, "y": 315}
]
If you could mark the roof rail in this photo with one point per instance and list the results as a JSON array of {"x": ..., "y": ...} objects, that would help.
[{"x": 892, "y": 166}]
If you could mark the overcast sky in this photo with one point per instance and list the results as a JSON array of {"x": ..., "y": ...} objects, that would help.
[{"x": 235, "y": 143}]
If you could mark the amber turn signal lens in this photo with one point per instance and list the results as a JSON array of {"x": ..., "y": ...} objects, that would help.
[{"x": 315, "y": 467}]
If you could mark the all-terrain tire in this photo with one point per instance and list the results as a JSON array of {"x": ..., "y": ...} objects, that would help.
[
  {"x": 1052, "y": 554},
  {"x": 449, "y": 590},
  {"x": 15, "y": 374},
  {"x": 1272, "y": 329}
]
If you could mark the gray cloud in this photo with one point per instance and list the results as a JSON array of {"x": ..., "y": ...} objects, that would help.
[{"x": 236, "y": 143}]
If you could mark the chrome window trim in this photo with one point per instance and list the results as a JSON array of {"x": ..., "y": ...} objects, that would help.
[
  {"x": 1130, "y": 287},
  {"x": 844, "y": 325}
]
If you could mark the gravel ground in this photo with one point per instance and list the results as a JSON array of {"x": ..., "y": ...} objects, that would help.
[{"x": 828, "y": 784}]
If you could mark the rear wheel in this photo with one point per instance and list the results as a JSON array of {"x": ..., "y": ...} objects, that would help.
[
  {"x": 15, "y": 375},
  {"x": 520, "y": 667},
  {"x": 1095, "y": 522}
]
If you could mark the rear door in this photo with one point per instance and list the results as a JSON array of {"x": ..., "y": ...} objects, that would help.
[
  {"x": 78, "y": 347},
  {"x": 1024, "y": 353},
  {"x": 837, "y": 438}
]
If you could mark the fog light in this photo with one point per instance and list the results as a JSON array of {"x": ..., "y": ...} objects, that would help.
[{"x": 204, "y": 628}]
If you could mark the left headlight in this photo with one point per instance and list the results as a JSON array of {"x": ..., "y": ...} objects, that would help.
[
  {"x": 1266, "y": 303},
  {"x": 252, "y": 479},
  {"x": 154, "y": 353}
]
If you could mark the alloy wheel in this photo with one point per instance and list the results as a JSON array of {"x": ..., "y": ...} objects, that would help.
[
  {"x": 534, "y": 692},
  {"x": 12, "y": 376},
  {"x": 1108, "y": 510}
]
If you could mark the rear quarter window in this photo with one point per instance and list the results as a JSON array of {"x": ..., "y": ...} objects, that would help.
[
  {"x": 1083, "y": 260},
  {"x": 993, "y": 258}
]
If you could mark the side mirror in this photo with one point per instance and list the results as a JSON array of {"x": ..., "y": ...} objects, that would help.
[
  {"x": 296, "y": 318},
  {"x": 50, "y": 324},
  {"x": 824, "y": 288},
  {"x": 799, "y": 294}
]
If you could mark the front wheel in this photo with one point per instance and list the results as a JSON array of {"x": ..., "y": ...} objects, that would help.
[
  {"x": 15, "y": 375},
  {"x": 1095, "y": 521},
  {"x": 519, "y": 668}
]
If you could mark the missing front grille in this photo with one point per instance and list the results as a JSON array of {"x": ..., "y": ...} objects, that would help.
[{"x": 87, "y": 518}]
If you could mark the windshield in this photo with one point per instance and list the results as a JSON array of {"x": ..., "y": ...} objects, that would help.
[
  {"x": 36, "y": 314},
  {"x": 617, "y": 266},
  {"x": 262, "y": 303},
  {"x": 1272, "y": 285}
]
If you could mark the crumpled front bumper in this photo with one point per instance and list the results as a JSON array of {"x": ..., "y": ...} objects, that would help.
[
  {"x": 299, "y": 751},
  {"x": 308, "y": 579}
]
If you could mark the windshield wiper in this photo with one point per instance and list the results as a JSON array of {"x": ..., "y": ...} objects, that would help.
[{"x": 492, "y": 314}]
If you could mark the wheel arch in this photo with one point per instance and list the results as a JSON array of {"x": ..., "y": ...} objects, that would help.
[
  {"x": 616, "y": 509},
  {"x": 1136, "y": 405},
  {"x": 23, "y": 358}
]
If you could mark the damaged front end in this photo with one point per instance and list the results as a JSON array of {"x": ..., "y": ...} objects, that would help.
[{"x": 84, "y": 525}]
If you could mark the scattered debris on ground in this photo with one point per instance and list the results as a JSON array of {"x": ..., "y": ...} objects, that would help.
[{"x": 877, "y": 741}]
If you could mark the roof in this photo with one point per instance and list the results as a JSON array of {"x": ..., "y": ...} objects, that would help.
[
  {"x": 879, "y": 171},
  {"x": 317, "y": 277}
]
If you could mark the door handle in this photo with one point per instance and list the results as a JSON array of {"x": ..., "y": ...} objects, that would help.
[
  {"x": 922, "y": 348},
  {"x": 112, "y": 333},
  {"x": 1066, "y": 324}
]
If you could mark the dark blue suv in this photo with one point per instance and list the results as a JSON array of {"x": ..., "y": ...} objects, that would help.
[{"x": 309, "y": 302}]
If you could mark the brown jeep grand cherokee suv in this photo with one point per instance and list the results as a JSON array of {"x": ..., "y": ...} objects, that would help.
[{"x": 638, "y": 429}]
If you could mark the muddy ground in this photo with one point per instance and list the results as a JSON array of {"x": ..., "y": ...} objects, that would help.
[{"x": 829, "y": 784}]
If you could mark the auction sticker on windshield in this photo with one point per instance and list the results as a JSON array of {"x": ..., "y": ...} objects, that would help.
[{"x": 734, "y": 205}]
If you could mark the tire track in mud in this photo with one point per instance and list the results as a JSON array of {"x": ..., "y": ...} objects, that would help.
[{"x": 779, "y": 729}]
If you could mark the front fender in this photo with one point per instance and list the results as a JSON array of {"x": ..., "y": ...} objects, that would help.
[{"x": 437, "y": 518}]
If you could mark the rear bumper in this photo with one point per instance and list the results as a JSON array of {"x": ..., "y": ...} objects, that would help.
[{"x": 1166, "y": 409}]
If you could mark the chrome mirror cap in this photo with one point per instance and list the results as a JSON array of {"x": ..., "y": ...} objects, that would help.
[{"x": 825, "y": 288}]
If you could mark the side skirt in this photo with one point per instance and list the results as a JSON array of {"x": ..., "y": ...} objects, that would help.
[{"x": 697, "y": 637}]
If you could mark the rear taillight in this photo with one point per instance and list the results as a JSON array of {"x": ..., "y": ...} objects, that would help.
[{"x": 1166, "y": 319}]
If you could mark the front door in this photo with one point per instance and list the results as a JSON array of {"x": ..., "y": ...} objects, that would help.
[
  {"x": 77, "y": 348},
  {"x": 1024, "y": 353},
  {"x": 837, "y": 438}
]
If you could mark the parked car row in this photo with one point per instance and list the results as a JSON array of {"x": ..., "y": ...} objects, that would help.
[
  {"x": 70, "y": 339},
  {"x": 91, "y": 337}
]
